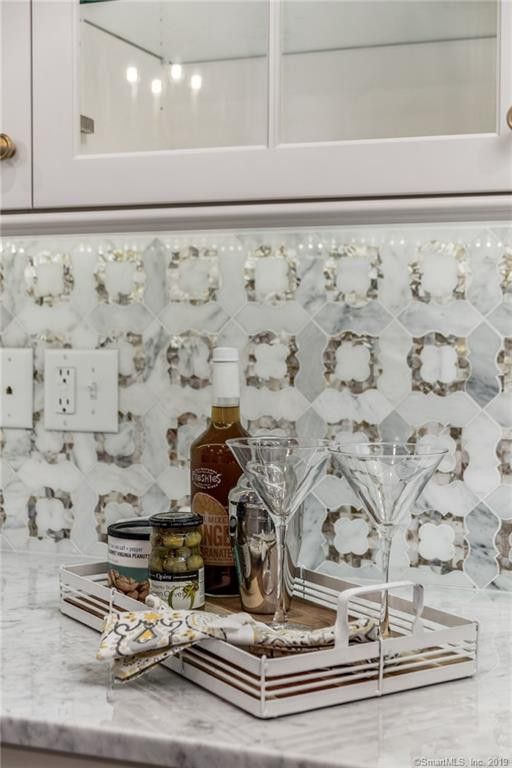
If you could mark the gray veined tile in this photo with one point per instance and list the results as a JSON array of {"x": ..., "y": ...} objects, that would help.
[
  {"x": 480, "y": 440},
  {"x": 501, "y": 317},
  {"x": 395, "y": 380},
  {"x": 370, "y": 319},
  {"x": 481, "y": 564},
  {"x": 288, "y": 404},
  {"x": 36, "y": 473},
  {"x": 311, "y": 293},
  {"x": 457, "y": 409},
  {"x": 483, "y": 346},
  {"x": 457, "y": 317},
  {"x": 484, "y": 290},
  {"x": 447, "y": 499},
  {"x": 134, "y": 480},
  {"x": 231, "y": 294},
  {"x": 394, "y": 289},
  {"x": 154, "y": 259},
  {"x": 203, "y": 318},
  {"x": 504, "y": 546},
  {"x": 310, "y": 425},
  {"x": 83, "y": 262},
  {"x": 154, "y": 501},
  {"x": 120, "y": 318},
  {"x": 500, "y": 409},
  {"x": 288, "y": 316},
  {"x": 311, "y": 342},
  {"x": 14, "y": 335},
  {"x": 394, "y": 428},
  {"x": 5, "y": 318},
  {"x": 500, "y": 501},
  {"x": 83, "y": 530},
  {"x": 312, "y": 546},
  {"x": 370, "y": 406},
  {"x": 175, "y": 483}
]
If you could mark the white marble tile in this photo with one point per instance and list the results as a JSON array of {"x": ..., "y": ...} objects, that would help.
[{"x": 480, "y": 438}]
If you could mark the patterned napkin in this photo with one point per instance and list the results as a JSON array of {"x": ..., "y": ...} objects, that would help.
[{"x": 137, "y": 640}]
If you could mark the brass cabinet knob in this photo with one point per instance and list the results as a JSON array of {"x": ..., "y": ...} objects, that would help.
[
  {"x": 509, "y": 118},
  {"x": 7, "y": 147}
]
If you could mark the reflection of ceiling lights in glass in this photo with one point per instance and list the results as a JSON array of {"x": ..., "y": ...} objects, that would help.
[
  {"x": 176, "y": 72},
  {"x": 132, "y": 74},
  {"x": 196, "y": 81},
  {"x": 156, "y": 86}
]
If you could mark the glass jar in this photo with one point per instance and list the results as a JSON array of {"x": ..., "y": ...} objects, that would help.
[{"x": 176, "y": 568}]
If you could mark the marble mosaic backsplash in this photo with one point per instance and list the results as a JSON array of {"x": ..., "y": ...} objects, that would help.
[{"x": 355, "y": 334}]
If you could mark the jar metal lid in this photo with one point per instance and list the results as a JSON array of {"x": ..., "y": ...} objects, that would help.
[
  {"x": 175, "y": 520},
  {"x": 130, "y": 529}
]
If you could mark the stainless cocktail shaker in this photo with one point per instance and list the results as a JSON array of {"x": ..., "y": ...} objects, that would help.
[{"x": 253, "y": 540}]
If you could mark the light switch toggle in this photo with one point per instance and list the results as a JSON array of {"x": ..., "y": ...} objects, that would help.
[{"x": 93, "y": 390}]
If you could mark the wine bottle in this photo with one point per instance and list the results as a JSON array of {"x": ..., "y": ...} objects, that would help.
[{"x": 214, "y": 472}]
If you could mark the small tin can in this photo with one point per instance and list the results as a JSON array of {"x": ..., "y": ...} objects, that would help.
[
  {"x": 128, "y": 557},
  {"x": 176, "y": 568}
]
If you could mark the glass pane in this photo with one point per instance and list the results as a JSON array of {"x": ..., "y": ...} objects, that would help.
[
  {"x": 377, "y": 69},
  {"x": 172, "y": 75}
]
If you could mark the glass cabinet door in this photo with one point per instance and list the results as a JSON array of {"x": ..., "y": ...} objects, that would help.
[
  {"x": 378, "y": 70},
  {"x": 177, "y": 74},
  {"x": 150, "y": 102}
]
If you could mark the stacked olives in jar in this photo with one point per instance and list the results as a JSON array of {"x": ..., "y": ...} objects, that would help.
[{"x": 175, "y": 562}]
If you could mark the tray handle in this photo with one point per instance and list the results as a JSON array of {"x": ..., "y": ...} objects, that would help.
[{"x": 342, "y": 628}]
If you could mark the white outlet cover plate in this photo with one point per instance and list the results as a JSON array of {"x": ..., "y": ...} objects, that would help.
[
  {"x": 17, "y": 388},
  {"x": 96, "y": 390}
]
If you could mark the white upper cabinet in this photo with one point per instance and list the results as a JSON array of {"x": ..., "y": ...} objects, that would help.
[
  {"x": 15, "y": 105},
  {"x": 248, "y": 100}
]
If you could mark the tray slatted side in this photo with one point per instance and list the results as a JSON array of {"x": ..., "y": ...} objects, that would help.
[{"x": 268, "y": 687}]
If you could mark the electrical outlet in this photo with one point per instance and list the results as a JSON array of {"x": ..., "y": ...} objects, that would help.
[
  {"x": 65, "y": 390},
  {"x": 16, "y": 388},
  {"x": 81, "y": 390}
]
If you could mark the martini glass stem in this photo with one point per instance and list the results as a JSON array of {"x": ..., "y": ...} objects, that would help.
[
  {"x": 280, "y": 617},
  {"x": 387, "y": 539}
]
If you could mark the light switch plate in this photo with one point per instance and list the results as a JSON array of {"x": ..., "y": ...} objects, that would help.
[
  {"x": 81, "y": 390},
  {"x": 16, "y": 387}
]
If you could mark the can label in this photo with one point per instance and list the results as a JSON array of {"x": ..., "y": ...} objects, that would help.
[
  {"x": 128, "y": 566},
  {"x": 182, "y": 591},
  {"x": 215, "y": 544}
]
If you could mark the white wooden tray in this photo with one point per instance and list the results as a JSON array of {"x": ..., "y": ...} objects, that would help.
[{"x": 428, "y": 646}]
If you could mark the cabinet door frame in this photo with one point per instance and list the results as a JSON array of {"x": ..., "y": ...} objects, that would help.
[
  {"x": 444, "y": 165},
  {"x": 15, "y": 105}
]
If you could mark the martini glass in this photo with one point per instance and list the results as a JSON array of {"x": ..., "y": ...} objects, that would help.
[
  {"x": 282, "y": 470},
  {"x": 388, "y": 478}
]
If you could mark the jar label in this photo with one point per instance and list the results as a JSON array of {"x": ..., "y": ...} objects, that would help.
[
  {"x": 215, "y": 544},
  {"x": 181, "y": 591}
]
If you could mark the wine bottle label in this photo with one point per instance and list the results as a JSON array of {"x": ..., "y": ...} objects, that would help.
[
  {"x": 215, "y": 545},
  {"x": 206, "y": 478}
]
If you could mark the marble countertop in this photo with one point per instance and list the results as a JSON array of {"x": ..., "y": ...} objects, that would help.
[{"x": 54, "y": 697}]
